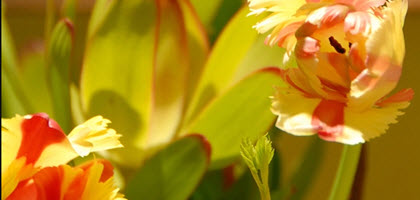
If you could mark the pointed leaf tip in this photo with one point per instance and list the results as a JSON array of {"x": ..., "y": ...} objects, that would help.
[{"x": 206, "y": 144}]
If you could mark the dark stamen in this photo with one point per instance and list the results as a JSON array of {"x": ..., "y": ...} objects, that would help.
[
  {"x": 337, "y": 46},
  {"x": 350, "y": 44}
]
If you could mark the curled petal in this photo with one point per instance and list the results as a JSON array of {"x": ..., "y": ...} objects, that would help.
[
  {"x": 37, "y": 138},
  {"x": 93, "y": 135}
]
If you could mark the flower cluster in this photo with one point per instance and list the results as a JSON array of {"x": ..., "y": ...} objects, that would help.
[
  {"x": 35, "y": 152},
  {"x": 349, "y": 55}
]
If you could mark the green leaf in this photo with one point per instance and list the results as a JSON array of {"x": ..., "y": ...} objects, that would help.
[
  {"x": 243, "y": 111},
  {"x": 58, "y": 60},
  {"x": 141, "y": 64},
  {"x": 211, "y": 187},
  {"x": 76, "y": 105},
  {"x": 170, "y": 74},
  {"x": 10, "y": 102},
  {"x": 206, "y": 10},
  {"x": 116, "y": 79},
  {"x": 244, "y": 189},
  {"x": 34, "y": 72},
  {"x": 198, "y": 46},
  {"x": 68, "y": 9},
  {"x": 99, "y": 14},
  {"x": 12, "y": 96},
  {"x": 173, "y": 173},
  {"x": 215, "y": 14},
  {"x": 238, "y": 52}
]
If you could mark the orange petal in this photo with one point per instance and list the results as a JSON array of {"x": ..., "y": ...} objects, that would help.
[
  {"x": 404, "y": 95},
  {"x": 68, "y": 183},
  {"x": 26, "y": 190},
  {"x": 107, "y": 172},
  {"x": 14, "y": 174}
]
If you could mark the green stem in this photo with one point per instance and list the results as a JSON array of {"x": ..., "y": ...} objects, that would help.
[
  {"x": 345, "y": 173},
  {"x": 266, "y": 189}
]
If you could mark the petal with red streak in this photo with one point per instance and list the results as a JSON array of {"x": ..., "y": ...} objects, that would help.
[
  {"x": 294, "y": 111},
  {"x": 328, "y": 119},
  {"x": 65, "y": 182}
]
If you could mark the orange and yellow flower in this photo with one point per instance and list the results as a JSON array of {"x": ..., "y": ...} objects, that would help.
[
  {"x": 35, "y": 152},
  {"x": 349, "y": 55},
  {"x": 286, "y": 17}
]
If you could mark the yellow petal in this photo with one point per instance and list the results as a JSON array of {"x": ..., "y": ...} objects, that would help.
[
  {"x": 385, "y": 49},
  {"x": 358, "y": 130},
  {"x": 283, "y": 13},
  {"x": 95, "y": 189},
  {"x": 11, "y": 137},
  {"x": 93, "y": 135},
  {"x": 294, "y": 111},
  {"x": 16, "y": 172}
]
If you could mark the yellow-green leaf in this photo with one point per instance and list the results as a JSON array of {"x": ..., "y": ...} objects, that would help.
[
  {"x": 117, "y": 72},
  {"x": 242, "y": 111},
  {"x": 12, "y": 96},
  {"x": 35, "y": 86},
  {"x": 58, "y": 60},
  {"x": 238, "y": 52},
  {"x": 170, "y": 74}
]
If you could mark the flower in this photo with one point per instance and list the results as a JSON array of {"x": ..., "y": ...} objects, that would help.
[
  {"x": 288, "y": 16},
  {"x": 341, "y": 87},
  {"x": 35, "y": 149}
]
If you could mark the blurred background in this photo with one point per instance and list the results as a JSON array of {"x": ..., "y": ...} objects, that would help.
[{"x": 391, "y": 163}]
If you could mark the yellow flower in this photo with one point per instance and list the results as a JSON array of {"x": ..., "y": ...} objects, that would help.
[
  {"x": 341, "y": 87},
  {"x": 32, "y": 143},
  {"x": 286, "y": 17}
]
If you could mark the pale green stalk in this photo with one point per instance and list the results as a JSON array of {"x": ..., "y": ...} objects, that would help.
[
  {"x": 346, "y": 172},
  {"x": 258, "y": 158}
]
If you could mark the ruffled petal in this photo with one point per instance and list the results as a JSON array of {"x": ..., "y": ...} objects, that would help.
[
  {"x": 93, "y": 135},
  {"x": 359, "y": 130},
  {"x": 283, "y": 14},
  {"x": 294, "y": 111}
]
